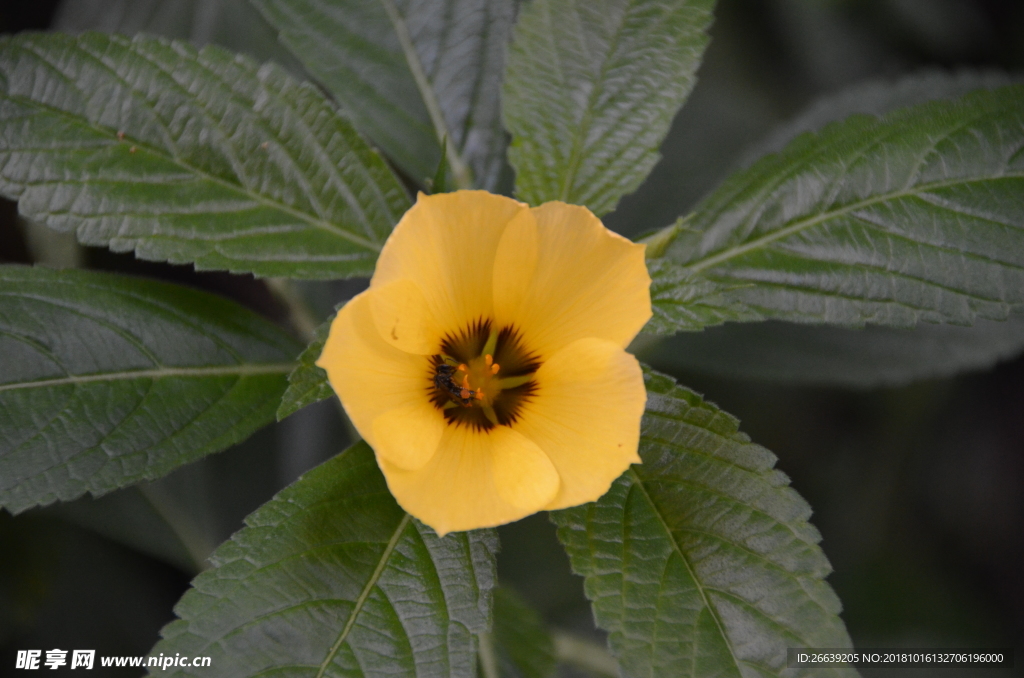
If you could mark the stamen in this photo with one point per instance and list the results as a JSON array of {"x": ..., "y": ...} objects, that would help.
[{"x": 471, "y": 387}]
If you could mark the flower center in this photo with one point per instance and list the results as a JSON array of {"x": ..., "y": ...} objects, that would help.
[{"x": 482, "y": 376}]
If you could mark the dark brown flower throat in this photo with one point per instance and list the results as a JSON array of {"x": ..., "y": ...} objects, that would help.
[{"x": 482, "y": 376}]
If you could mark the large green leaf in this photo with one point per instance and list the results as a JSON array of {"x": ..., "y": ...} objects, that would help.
[
  {"x": 107, "y": 380},
  {"x": 410, "y": 74},
  {"x": 332, "y": 578},
  {"x": 189, "y": 156},
  {"x": 860, "y": 358},
  {"x": 915, "y": 216},
  {"x": 701, "y": 562},
  {"x": 590, "y": 92}
]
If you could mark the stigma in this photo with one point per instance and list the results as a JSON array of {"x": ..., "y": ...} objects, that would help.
[{"x": 482, "y": 376}]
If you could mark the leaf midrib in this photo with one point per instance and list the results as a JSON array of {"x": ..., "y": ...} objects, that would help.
[
  {"x": 364, "y": 594},
  {"x": 804, "y": 224},
  {"x": 195, "y": 171},
  {"x": 638, "y": 483},
  {"x": 576, "y": 154},
  {"x": 412, "y": 58},
  {"x": 156, "y": 373}
]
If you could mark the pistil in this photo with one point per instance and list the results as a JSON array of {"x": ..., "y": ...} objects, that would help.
[{"x": 471, "y": 384}]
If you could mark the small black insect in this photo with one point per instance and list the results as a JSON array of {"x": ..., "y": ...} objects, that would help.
[{"x": 443, "y": 380}]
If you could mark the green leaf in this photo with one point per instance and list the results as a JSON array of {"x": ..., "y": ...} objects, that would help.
[
  {"x": 189, "y": 156},
  {"x": 410, "y": 74},
  {"x": 107, "y": 380},
  {"x": 913, "y": 217},
  {"x": 332, "y": 578},
  {"x": 865, "y": 358},
  {"x": 700, "y": 561},
  {"x": 879, "y": 97},
  {"x": 684, "y": 303},
  {"x": 233, "y": 24},
  {"x": 131, "y": 518},
  {"x": 522, "y": 642},
  {"x": 307, "y": 384},
  {"x": 591, "y": 89}
]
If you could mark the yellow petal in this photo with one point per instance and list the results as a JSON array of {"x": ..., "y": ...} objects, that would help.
[
  {"x": 408, "y": 436},
  {"x": 446, "y": 244},
  {"x": 523, "y": 474},
  {"x": 585, "y": 415},
  {"x": 514, "y": 265},
  {"x": 458, "y": 489},
  {"x": 403, "y": 319},
  {"x": 369, "y": 375},
  {"x": 588, "y": 282}
]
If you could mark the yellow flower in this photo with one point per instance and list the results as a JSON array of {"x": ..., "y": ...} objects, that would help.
[{"x": 485, "y": 364}]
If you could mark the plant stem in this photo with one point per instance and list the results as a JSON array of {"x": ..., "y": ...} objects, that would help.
[
  {"x": 195, "y": 540},
  {"x": 584, "y": 654},
  {"x": 488, "y": 660},
  {"x": 299, "y": 314}
]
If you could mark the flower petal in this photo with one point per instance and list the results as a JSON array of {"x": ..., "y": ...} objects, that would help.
[
  {"x": 524, "y": 475},
  {"x": 408, "y": 436},
  {"x": 514, "y": 265},
  {"x": 403, "y": 319},
  {"x": 459, "y": 488},
  {"x": 446, "y": 244},
  {"x": 369, "y": 375},
  {"x": 588, "y": 282},
  {"x": 586, "y": 415}
]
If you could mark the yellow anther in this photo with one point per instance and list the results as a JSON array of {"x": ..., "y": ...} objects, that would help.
[
  {"x": 494, "y": 368},
  {"x": 488, "y": 359}
]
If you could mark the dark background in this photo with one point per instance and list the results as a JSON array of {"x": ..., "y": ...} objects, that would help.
[{"x": 917, "y": 490}]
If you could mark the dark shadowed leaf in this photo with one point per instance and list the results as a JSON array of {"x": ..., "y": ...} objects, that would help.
[
  {"x": 189, "y": 156},
  {"x": 864, "y": 358},
  {"x": 332, "y": 578},
  {"x": 915, "y": 216},
  {"x": 701, "y": 562},
  {"x": 409, "y": 74},
  {"x": 879, "y": 97},
  {"x": 522, "y": 641},
  {"x": 234, "y": 24},
  {"x": 107, "y": 380},
  {"x": 591, "y": 90}
]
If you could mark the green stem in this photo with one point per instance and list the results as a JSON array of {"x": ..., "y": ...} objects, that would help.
[
  {"x": 584, "y": 654},
  {"x": 299, "y": 314},
  {"x": 659, "y": 241},
  {"x": 488, "y": 659},
  {"x": 194, "y": 539}
]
